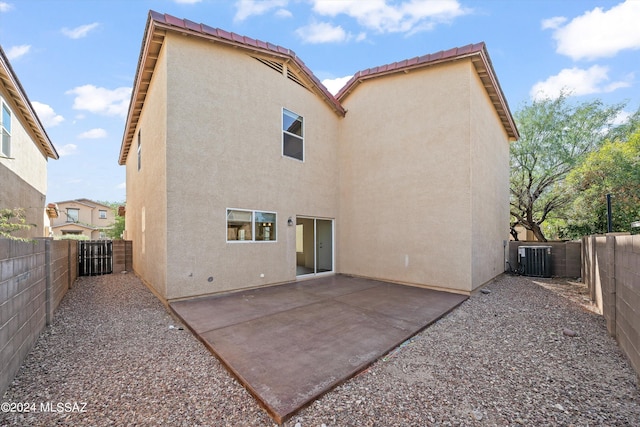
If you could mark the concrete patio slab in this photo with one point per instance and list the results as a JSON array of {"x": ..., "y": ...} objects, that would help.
[{"x": 291, "y": 343}]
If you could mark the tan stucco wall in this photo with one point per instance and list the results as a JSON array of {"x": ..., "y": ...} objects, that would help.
[
  {"x": 27, "y": 161},
  {"x": 89, "y": 213},
  {"x": 406, "y": 204},
  {"x": 146, "y": 216},
  {"x": 24, "y": 174},
  {"x": 416, "y": 175},
  {"x": 224, "y": 150},
  {"x": 490, "y": 187}
]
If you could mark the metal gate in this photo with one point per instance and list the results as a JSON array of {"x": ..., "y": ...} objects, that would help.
[{"x": 95, "y": 257}]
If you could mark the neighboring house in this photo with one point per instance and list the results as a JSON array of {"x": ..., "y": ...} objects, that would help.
[
  {"x": 244, "y": 171},
  {"x": 83, "y": 217},
  {"x": 25, "y": 149}
]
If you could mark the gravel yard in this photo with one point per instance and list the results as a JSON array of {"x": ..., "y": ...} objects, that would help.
[{"x": 115, "y": 356}]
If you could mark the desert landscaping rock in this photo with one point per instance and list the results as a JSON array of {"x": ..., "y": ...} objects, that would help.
[{"x": 501, "y": 358}]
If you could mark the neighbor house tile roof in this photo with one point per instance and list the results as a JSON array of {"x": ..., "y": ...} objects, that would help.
[
  {"x": 12, "y": 86},
  {"x": 159, "y": 23}
]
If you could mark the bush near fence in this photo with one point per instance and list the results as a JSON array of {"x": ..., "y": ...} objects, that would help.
[{"x": 611, "y": 270}]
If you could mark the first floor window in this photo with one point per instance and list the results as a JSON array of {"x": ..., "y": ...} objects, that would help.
[
  {"x": 239, "y": 225},
  {"x": 5, "y": 129},
  {"x": 265, "y": 226},
  {"x": 252, "y": 226}
]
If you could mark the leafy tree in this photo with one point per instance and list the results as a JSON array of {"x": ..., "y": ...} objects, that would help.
[
  {"x": 554, "y": 137},
  {"x": 115, "y": 232},
  {"x": 12, "y": 220},
  {"x": 613, "y": 169}
]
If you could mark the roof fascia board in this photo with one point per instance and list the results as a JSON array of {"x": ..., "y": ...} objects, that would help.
[{"x": 14, "y": 87}]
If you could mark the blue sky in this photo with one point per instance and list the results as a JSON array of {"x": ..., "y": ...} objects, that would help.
[{"x": 77, "y": 59}]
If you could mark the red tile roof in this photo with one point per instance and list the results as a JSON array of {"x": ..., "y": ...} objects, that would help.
[
  {"x": 158, "y": 23},
  {"x": 233, "y": 38}
]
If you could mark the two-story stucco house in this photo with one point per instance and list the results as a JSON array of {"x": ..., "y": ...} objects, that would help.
[
  {"x": 244, "y": 171},
  {"x": 25, "y": 149},
  {"x": 82, "y": 217}
]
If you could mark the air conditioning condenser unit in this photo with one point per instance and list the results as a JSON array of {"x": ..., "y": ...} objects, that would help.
[{"x": 535, "y": 261}]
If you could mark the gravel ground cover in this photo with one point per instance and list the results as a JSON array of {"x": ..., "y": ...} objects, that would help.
[{"x": 115, "y": 356}]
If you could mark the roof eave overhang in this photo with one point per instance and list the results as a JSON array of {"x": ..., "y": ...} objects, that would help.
[{"x": 12, "y": 86}]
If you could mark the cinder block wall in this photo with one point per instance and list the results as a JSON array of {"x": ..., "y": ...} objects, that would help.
[
  {"x": 565, "y": 256},
  {"x": 34, "y": 277},
  {"x": 627, "y": 279},
  {"x": 612, "y": 271},
  {"x": 122, "y": 255},
  {"x": 22, "y": 303}
]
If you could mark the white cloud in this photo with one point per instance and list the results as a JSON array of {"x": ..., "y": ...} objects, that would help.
[
  {"x": 79, "y": 32},
  {"x": 577, "y": 81},
  {"x": 600, "y": 34},
  {"x": 67, "y": 150},
  {"x": 96, "y": 133},
  {"x": 47, "y": 115},
  {"x": 553, "y": 23},
  {"x": 122, "y": 185},
  {"x": 409, "y": 16},
  {"x": 622, "y": 118},
  {"x": 5, "y": 7},
  {"x": 322, "y": 32},
  {"x": 16, "y": 52},
  {"x": 247, "y": 8},
  {"x": 334, "y": 85},
  {"x": 101, "y": 100},
  {"x": 283, "y": 13}
]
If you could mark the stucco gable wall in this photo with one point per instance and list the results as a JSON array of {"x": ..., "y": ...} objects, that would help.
[
  {"x": 224, "y": 150},
  {"x": 490, "y": 187},
  {"x": 145, "y": 220},
  {"x": 405, "y": 202},
  {"x": 27, "y": 161},
  {"x": 24, "y": 174}
]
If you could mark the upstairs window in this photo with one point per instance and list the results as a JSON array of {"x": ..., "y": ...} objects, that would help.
[
  {"x": 103, "y": 214},
  {"x": 73, "y": 214},
  {"x": 292, "y": 135},
  {"x": 5, "y": 129},
  {"x": 139, "y": 150}
]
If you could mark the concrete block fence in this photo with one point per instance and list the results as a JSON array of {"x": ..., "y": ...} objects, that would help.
[
  {"x": 34, "y": 277},
  {"x": 611, "y": 270}
]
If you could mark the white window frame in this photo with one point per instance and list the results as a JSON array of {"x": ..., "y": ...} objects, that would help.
[
  {"x": 4, "y": 129},
  {"x": 253, "y": 225},
  {"x": 69, "y": 216},
  {"x": 102, "y": 214},
  {"x": 285, "y": 132}
]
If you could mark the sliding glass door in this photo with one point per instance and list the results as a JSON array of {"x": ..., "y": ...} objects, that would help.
[{"x": 314, "y": 246}]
